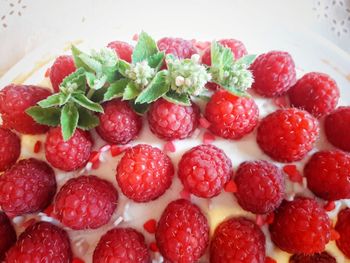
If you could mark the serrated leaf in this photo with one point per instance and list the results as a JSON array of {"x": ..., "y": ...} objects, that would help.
[
  {"x": 77, "y": 78},
  {"x": 156, "y": 60},
  {"x": 156, "y": 89},
  {"x": 98, "y": 95},
  {"x": 123, "y": 67},
  {"x": 53, "y": 100},
  {"x": 116, "y": 89},
  {"x": 49, "y": 116},
  {"x": 90, "y": 78},
  {"x": 79, "y": 63},
  {"x": 140, "y": 108},
  {"x": 92, "y": 63},
  {"x": 87, "y": 120},
  {"x": 145, "y": 47},
  {"x": 64, "y": 98},
  {"x": 176, "y": 98},
  {"x": 69, "y": 120},
  {"x": 83, "y": 101},
  {"x": 247, "y": 60},
  {"x": 131, "y": 91},
  {"x": 221, "y": 56}
]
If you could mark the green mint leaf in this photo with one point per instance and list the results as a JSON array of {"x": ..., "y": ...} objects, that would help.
[
  {"x": 79, "y": 63},
  {"x": 131, "y": 91},
  {"x": 49, "y": 116},
  {"x": 99, "y": 95},
  {"x": 156, "y": 89},
  {"x": 87, "y": 120},
  {"x": 83, "y": 101},
  {"x": 90, "y": 78},
  {"x": 74, "y": 81},
  {"x": 95, "y": 83},
  {"x": 156, "y": 60},
  {"x": 235, "y": 91},
  {"x": 221, "y": 56},
  {"x": 123, "y": 67},
  {"x": 92, "y": 63},
  {"x": 176, "y": 98},
  {"x": 116, "y": 89},
  {"x": 247, "y": 60},
  {"x": 53, "y": 100},
  {"x": 139, "y": 108},
  {"x": 145, "y": 47},
  {"x": 64, "y": 98},
  {"x": 69, "y": 120}
]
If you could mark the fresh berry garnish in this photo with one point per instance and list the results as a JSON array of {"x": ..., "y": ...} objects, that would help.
[
  {"x": 144, "y": 173},
  {"x": 61, "y": 68},
  {"x": 237, "y": 240},
  {"x": 337, "y": 127},
  {"x": 122, "y": 49},
  {"x": 323, "y": 257},
  {"x": 67, "y": 155},
  {"x": 170, "y": 121},
  {"x": 14, "y": 100},
  {"x": 85, "y": 202},
  {"x": 274, "y": 73},
  {"x": 300, "y": 226},
  {"x": 231, "y": 117},
  {"x": 343, "y": 228},
  {"x": 204, "y": 170},
  {"x": 183, "y": 232},
  {"x": 122, "y": 245},
  {"x": 178, "y": 47},
  {"x": 287, "y": 135},
  {"x": 41, "y": 242},
  {"x": 260, "y": 186},
  {"x": 119, "y": 124},
  {"x": 328, "y": 175},
  {"x": 316, "y": 93},
  {"x": 10, "y": 148},
  {"x": 27, "y": 187},
  {"x": 293, "y": 173},
  {"x": 7, "y": 234}
]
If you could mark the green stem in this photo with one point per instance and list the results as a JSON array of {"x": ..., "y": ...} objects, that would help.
[{"x": 90, "y": 93}]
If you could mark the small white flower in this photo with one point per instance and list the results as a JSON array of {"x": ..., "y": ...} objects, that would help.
[
  {"x": 179, "y": 81},
  {"x": 141, "y": 73}
]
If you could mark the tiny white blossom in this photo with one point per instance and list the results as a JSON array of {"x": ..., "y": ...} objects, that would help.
[
  {"x": 179, "y": 81},
  {"x": 141, "y": 73}
]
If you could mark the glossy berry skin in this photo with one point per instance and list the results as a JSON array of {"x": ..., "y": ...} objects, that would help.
[
  {"x": 27, "y": 187},
  {"x": 337, "y": 127},
  {"x": 274, "y": 73},
  {"x": 10, "y": 148},
  {"x": 323, "y": 257},
  {"x": 178, "y": 47},
  {"x": 316, "y": 93},
  {"x": 122, "y": 245},
  {"x": 7, "y": 234},
  {"x": 300, "y": 226},
  {"x": 70, "y": 155},
  {"x": 183, "y": 232},
  {"x": 343, "y": 228},
  {"x": 237, "y": 240},
  {"x": 328, "y": 175},
  {"x": 144, "y": 173},
  {"x": 170, "y": 121},
  {"x": 260, "y": 186},
  {"x": 122, "y": 49},
  {"x": 61, "y": 68},
  {"x": 85, "y": 202},
  {"x": 204, "y": 170},
  {"x": 14, "y": 100},
  {"x": 41, "y": 242},
  {"x": 287, "y": 135},
  {"x": 231, "y": 117},
  {"x": 119, "y": 124}
]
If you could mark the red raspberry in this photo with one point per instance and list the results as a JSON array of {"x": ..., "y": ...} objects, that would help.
[
  {"x": 274, "y": 73},
  {"x": 343, "y": 228},
  {"x": 10, "y": 148},
  {"x": 337, "y": 127},
  {"x": 287, "y": 135},
  {"x": 183, "y": 232},
  {"x": 122, "y": 49},
  {"x": 144, "y": 173},
  {"x": 119, "y": 124},
  {"x": 204, "y": 170},
  {"x": 124, "y": 245},
  {"x": 14, "y": 100},
  {"x": 70, "y": 155},
  {"x": 61, "y": 68},
  {"x": 179, "y": 47},
  {"x": 7, "y": 233},
  {"x": 301, "y": 227},
  {"x": 323, "y": 257},
  {"x": 231, "y": 117},
  {"x": 170, "y": 121},
  {"x": 27, "y": 187},
  {"x": 41, "y": 242},
  {"x": 316, "y": 93},
  {"x": 260, "y": 186},
  {"x": 328, "y": 175},
  {"x": 85, "y": 202},
  {"x": 237, "y": 240}
]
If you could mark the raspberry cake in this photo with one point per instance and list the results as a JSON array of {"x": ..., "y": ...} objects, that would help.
[{"x": 159, "y": 152}]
